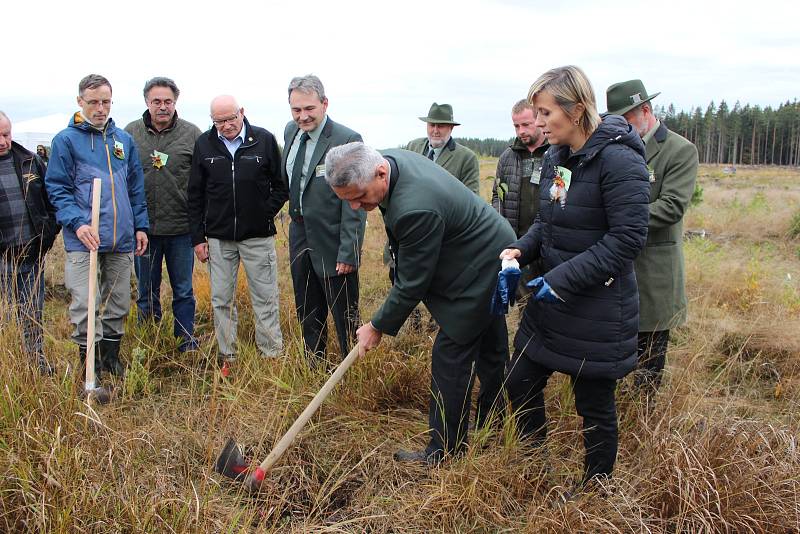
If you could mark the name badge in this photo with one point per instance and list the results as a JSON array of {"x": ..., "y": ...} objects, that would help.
[{"x": 319, "y": 171}]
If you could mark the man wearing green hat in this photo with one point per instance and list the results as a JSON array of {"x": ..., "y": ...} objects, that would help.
[
  {"x": 441, "y": 148},
  {"x": 672, "y": 161}
]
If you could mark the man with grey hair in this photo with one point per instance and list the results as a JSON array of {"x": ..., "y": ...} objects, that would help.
[
  {"x": 166, "y": 143},
  {"x": 27, "y": 231},
  {"x": 235, "y": 192},
  {"x": 325, "y": 234},
  {"x": 446, "y": 242},
  {"x": 672, "y": 162},
  {"x": 93, "y": 147},
  {"x": 439, "y": 146}
]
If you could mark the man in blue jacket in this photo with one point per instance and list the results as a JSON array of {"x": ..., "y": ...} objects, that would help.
[{"x": 92, "y": 147}]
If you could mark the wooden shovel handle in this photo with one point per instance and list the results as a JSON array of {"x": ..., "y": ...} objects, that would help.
[
  {"x": 91, "y": 310},
  {"x": 304, "y": 417}
]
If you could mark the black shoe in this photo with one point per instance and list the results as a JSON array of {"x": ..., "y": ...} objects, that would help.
[
  {"x": 109, "y": 355},
  {"x": 419, "y": 457}
]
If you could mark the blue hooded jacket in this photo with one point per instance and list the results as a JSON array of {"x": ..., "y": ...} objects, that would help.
[{"x": 81, "y": 153}]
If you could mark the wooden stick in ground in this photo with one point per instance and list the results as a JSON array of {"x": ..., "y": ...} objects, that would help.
[
  {"x": 257, "y": 476},
  {"x": 90, "y": 355}
]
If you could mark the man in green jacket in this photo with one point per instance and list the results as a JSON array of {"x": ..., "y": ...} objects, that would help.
[
  {"x": 166, "y": 143},
  {"x": 446, "y": 244},
  {"x": 672, "y": 162},
  {"x": 325, "y": 234},
  {"x": 440, "y": 147}
]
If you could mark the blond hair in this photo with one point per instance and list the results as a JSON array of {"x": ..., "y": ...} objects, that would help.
[{"x": 570, "y": 87}]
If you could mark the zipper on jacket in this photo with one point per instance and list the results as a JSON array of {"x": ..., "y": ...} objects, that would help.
[
  {"x": 113, "y": 196},
  {"x": 233, "y": 182}
]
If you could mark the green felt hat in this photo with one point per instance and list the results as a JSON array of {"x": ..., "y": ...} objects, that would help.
[
  {"x": 440, "y": 114},
  {"x": 624, "y": 96}
]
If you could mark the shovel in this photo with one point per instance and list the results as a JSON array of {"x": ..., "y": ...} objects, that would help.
[
  {"x": 231, "y": 463},
  {"x": 91, "y": 391}
]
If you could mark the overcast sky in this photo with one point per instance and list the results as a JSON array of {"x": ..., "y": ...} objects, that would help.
[{"x": 384, "y": 63}]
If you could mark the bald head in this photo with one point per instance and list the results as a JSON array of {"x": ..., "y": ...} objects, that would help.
[
  {"x": 228, "y": 117},
  {"x": 5, "y": 134}
]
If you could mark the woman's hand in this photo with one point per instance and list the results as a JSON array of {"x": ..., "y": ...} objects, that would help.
[{"x": 510, "y": 254}]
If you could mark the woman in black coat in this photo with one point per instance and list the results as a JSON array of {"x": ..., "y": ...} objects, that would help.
[{"x": 582, "y": 318}]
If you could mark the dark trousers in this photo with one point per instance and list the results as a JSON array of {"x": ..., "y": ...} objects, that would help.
[
  {"x": 594, "y": 402},
  {"x": 22, "y": 286},
  {"x": 453, "y": 370},
  {"x": 178, "y": 253},
  {"x": 652, "y": 357},
  {"x": 314, "y": 296}
]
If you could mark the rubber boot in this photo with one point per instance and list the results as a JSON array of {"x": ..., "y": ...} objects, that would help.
[
  {"x": 109, "y": 350},
  {"x": 98, "y": 368}
]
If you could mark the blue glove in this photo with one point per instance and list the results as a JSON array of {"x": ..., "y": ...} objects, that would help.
[
  {"x": 505, "y": 292},
  {"x": 545, "y": 292}
]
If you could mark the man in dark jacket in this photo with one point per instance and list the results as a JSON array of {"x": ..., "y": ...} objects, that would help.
[
  {"x": 515, "y": 192},
  {"x": 325, "y": 234},
  {"x": 27, "y": 230},
  {"x": 672, "y": 162},
  {"x": 165, "y": 144},
  {"x": 235, "y": 192},
  {"x": 446, "y": 242}
]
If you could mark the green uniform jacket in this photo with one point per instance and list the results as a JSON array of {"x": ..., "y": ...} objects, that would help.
[
  {"x": 166, "y": 188},
  {"x": 446, "y": 242},
  {"x": 456, "y": 159},
  {"x": 672, "y": 161},
  {"x": 333, "y": 229}
]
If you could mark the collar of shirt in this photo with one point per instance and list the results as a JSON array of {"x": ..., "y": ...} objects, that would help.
[
  {"x": 651, "y": 132},
  {"x": 234, "y": 143}
]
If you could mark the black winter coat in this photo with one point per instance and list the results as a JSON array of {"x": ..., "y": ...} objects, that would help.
[
  {"x": 237, "y": 198},
  {"x": 587, "y": 250},
  {"x": 30, "y": 171}
]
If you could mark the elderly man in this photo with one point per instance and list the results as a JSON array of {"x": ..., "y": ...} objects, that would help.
[
  {"x": 440, "y": 147},
  {"x": 446, "y": 242},
  {"x": 27, "y": 231},
  {"x": 166, "y": 143},
  {"x": 672, "y": 162},
  {"x": 235, "y": 192},
  {"x": 93, "y": 147},
  {"x": 325, "y": 234}
]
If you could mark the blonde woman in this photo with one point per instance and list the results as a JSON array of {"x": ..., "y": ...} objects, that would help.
[{"x": 582, "y": 317}]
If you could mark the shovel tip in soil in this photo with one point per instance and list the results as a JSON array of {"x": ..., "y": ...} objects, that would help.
[
  {"x": 99, "y": 395},
  {"x": 255, "y": 479}
]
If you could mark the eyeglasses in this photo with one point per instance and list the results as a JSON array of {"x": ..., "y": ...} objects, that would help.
[
  {"x": 158, "y": 102},
  {"x": 96, "y": 103},
  {"x": 223, "y": 122}
]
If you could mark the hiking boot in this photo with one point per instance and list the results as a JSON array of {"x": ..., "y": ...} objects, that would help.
[
  {"x": 109, "y": 355},
  {"x": 419, "y": 457}
]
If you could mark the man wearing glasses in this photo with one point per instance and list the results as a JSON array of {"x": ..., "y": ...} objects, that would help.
[
  {"x": 165, "y": 144},
  {"x": 93, "y": 147},
  {"x": 235, "y": 192}
]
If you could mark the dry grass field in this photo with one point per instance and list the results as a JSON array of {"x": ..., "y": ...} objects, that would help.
[{"x": 719, "y": 452}]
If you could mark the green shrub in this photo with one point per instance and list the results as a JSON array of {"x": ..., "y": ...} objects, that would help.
[{"x": 697, "y": 195}]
